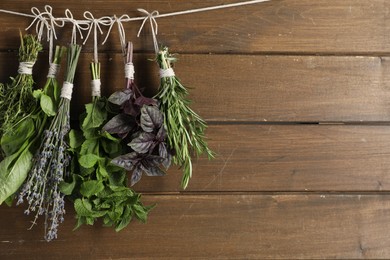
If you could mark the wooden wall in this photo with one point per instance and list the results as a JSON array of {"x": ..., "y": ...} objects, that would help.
[{"x": 297, "y": 96}]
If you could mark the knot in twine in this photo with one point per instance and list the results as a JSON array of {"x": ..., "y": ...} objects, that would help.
[{"x": 153, "y": 25}]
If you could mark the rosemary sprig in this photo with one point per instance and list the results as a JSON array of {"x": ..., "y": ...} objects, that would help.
[{"x": 184, "y": 127}]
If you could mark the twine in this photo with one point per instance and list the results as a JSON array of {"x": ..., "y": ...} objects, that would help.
[
  {"x": 95, "y": 86},
  {"x": 26, "y": 68},
  {"x": 66, "y": 90}
]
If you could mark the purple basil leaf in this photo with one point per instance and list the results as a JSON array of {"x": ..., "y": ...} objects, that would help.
[
  {"x": 161, "y": 134},
  {"x": 141, "y": 101},
  {"x": 136, "y": 176},
  {"x": 152, "y": 170},
  {"x": 142, "y": 143},
  {"x": 151, "y": 118},
  {"x": 120, "y": 124},
  {"x": 127, "y": 161},
  {"x": 120, "y": 97},
  {"x": 130, "y": 108},
  {"x": 162, "y": 151}
]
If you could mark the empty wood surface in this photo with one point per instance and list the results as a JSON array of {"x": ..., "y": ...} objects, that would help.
[
  {"x": 279, "y": 188},
  {"x": 218, "y": 227},
  {"x": 288, "y": 158}
]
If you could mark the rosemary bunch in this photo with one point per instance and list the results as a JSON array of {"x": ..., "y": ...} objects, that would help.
[
  {"x": 41, "y": 189},
  {"x": 18, "y": 101},
  {"x": 184, "y": 127},
  {"x": 19, "y": 144}
]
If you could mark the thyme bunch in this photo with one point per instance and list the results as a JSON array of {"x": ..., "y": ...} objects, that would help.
[
  {"x": 185, "y": 128},
  {"x": 17, "y": 100}
]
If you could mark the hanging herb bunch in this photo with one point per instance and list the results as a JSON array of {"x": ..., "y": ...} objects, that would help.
[
  {"x": 17, "y": 99},
  {"x": 140, "y": 124},
  {"x": 20, "y": 121},
  {"x": 42, "y": 187},
  {"x": 184, "y": 127},
  {"x": 98, "y": 188}
]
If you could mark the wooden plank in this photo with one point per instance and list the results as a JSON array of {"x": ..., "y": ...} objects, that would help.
[
  {"x": 219, "y": 227},
  {"x": 288, "y": 158},
  {"x": 253, "y": 88},
  {"x": 322, "y": 26}
]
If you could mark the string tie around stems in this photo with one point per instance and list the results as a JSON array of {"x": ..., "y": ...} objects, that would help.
[
  {"x": 26, "y": 68},
  {"x": 53, "y": 70},
  {"x": 129, "y": 70},
  {"x": 165, "y": 73},
  {"x": 95, "y": 86},
  {"x": 66, "y": 90},
  {"x": 153, "y": 25}
]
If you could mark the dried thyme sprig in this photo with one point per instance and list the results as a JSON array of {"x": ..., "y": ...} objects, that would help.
[
  {"x": 184, "y": 127},
  {"x": 51, "y": 163}
]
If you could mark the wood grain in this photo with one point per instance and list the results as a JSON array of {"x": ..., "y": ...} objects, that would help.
[
  {"x": 321, "y": 26},
  {"x": 288, "y": 158},
  {"x": 219, "y": 227},
  {"x": 244, "y": 88}
]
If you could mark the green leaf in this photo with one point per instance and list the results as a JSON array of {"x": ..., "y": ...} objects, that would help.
[
  {"x": 90, "y": 188},
  {"x": 47, "y": 105},
  {"x": 37, "y": 93},
  {"x": 75, "y": 139},
  {"x": 126, "y": 218},
  {"x": 83, "y": 207},
  {"x": 13, "y": 172},
  {"x": 13, "y": 140},
  {"x": 9, "y": 200},
  {"x": 96, "y": 115},
  {"x": 88, "y": 160},
  {"x": 90, "y": 146},
  {"x": 140, "y": 212},
  {"x": 67, "y": 188}
]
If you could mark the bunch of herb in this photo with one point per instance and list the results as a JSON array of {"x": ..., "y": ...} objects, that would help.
[
  {"x": 19, "y": 145},
  {"x": 140, "y": 124},
  {"x": 18, "y": 101},
  {"x": 99, "y": 188},
  {"x": 42, "y": 187},
  {"x": 184, "y": 127}
]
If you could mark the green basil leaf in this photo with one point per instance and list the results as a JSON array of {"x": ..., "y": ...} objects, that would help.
[
  {"x": 47, "y": 105},
  {"x": 83, "y": 207},
  {"x": 13, "y": 140},
  {"x": 13, "y": 172}
]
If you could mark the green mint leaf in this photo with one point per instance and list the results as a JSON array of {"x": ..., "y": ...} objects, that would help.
[
  {"x": 88, "y": 160},
  {"x": 75, "y": 139},
  {"x": 89, "y": 188}
]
